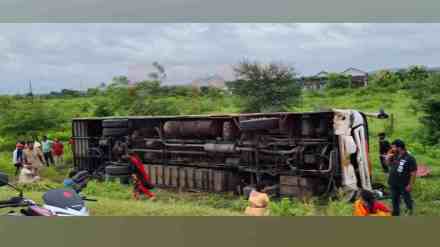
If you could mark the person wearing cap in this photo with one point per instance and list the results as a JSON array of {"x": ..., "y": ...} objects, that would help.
[
  {"x": 17, "y": 157},
  {"x": 402, "y": 176},
  {"x": 384, "y": 147}
]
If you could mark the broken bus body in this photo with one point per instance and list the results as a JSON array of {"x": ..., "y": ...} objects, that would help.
[{"x": 299, "y": 154}]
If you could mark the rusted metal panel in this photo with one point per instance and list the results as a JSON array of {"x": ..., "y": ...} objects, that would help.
[
  {"x": 190, "y": 178},
  {"x": 167, "y": 176},
  {"x": 199, "y": 179},
  {"x": 182, "y": 177},
  {"x": 153, "y": 174},
  {"x": 174, "y": 175},
  {"x": 289, "y": 180},
  {"x": 232, "y": 180},
  {"x": 218, "y": 181},
  {"x": 159, "y": 175}
]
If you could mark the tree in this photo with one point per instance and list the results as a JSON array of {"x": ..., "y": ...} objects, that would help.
[
  {"x": 431, "y": 119},
  {"x": 336, "y": 80},
  {"x": 417, "y": 73},
  {"x": 70, "y": 92},
  {"x": 148, "y": 88},
  {"x": 402, "y": 74},
  {"x": 386, "y": 79},
  {"x": 92, "y": 91},
  {"x": 427, "y": 97},
  {"x": 265, "y": 87},
  {"x": 159, "y": 106},
  {"x": 120, "y": 81},
  {"x": 103, "y": 108},
  {"x": 159, "y": 74}
]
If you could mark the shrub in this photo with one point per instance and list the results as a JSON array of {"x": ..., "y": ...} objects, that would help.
[
  {"x": 336, "y": 81},
  {"x": 386, "y": 80},
  {"x": 265, "y": 87},
  {"x": 29, "y": 117}
]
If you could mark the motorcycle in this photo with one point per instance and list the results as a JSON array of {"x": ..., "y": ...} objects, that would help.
[{"x": 57, "y": 202}]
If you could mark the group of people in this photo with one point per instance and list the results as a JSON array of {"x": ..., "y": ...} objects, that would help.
[
  {"x": 397, "y": 163},
  {"x": 401, "y": 168},
  {"x": 31, "y": 156}
]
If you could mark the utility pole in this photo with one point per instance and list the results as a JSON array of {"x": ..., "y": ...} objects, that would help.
[{"x": 31, "y": 94}]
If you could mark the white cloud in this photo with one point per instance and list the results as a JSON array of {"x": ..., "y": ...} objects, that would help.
[{"x": 55, "y": 56}]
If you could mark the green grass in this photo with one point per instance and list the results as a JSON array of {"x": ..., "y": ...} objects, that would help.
[{"x": 115, "y": 199}]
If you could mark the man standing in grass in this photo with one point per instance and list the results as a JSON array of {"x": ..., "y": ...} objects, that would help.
[
  {"x": 47, "y": 150},
  {"x": 17, "y": 157},
  {"x": 384, "y": 147},
  {"x": 58, "y": 152},
  {"x": 403, "y": 168}
]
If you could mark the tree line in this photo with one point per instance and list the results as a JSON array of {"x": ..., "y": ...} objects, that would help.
[{"x": 258, "y": 87}]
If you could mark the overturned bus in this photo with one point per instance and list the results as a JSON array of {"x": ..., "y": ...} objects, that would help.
[{"x": 298, "y": 154}]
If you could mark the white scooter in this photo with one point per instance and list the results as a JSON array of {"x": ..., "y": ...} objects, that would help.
[{"x": 57, "y": 202}]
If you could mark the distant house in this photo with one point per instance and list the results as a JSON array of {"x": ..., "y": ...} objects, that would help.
[
  {"x": 315, "y": 82},
  {"x": 358, "y": 77}
]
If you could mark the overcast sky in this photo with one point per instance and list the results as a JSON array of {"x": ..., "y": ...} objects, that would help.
[{"x": 56, "y": 56}]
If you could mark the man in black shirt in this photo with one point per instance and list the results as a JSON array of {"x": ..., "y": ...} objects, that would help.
[
  {"x": 384, "y": 147},
  {"x": 402, "y": 176}
]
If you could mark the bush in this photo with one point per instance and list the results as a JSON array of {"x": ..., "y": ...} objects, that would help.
[
  {"x": 337, "y": 81},
  {"x": 29, "y": 118},
  {"x": 160, "y": 106},
  {"x": 265, "y": 87},
  {"x": 386, "y": 80},
  {"x": 103, "y": 108},
  {"x": 427, "y": 100}
]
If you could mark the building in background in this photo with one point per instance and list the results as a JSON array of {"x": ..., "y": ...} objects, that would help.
[
  {"x": 358, "y": 78},
  {"x": 315, "y": 82}
]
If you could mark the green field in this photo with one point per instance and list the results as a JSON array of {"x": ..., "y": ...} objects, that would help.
[{"x": 115, "y": 199}]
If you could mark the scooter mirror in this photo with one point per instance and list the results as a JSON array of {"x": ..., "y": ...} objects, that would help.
[{"x": 4, "y": 179}]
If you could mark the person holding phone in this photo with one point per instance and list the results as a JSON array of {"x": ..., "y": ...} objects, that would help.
[{"x": 402, "y": 176}]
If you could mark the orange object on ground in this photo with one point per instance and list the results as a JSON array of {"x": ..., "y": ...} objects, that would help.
[
  {"x": 258, "y": 204},
  {"x": 379, "y": 208}
]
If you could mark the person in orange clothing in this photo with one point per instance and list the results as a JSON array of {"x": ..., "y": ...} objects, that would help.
[
  {"x": 367, "y": 205},
  {"x": 258, "y": 202}
]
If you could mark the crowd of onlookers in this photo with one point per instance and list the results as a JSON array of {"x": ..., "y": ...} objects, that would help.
[{"x": 29, "y": 157}]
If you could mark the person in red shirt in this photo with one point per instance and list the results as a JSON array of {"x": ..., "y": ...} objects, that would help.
[
  {"x": 58, "y": 152},
  {"x": 141, "y": 179},
  {"x": 367, "y": 205}
]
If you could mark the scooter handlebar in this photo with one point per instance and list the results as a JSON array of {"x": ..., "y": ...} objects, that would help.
[
  {"x": 88, "y": 199},
  {"x": 14, "y": 202}
]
